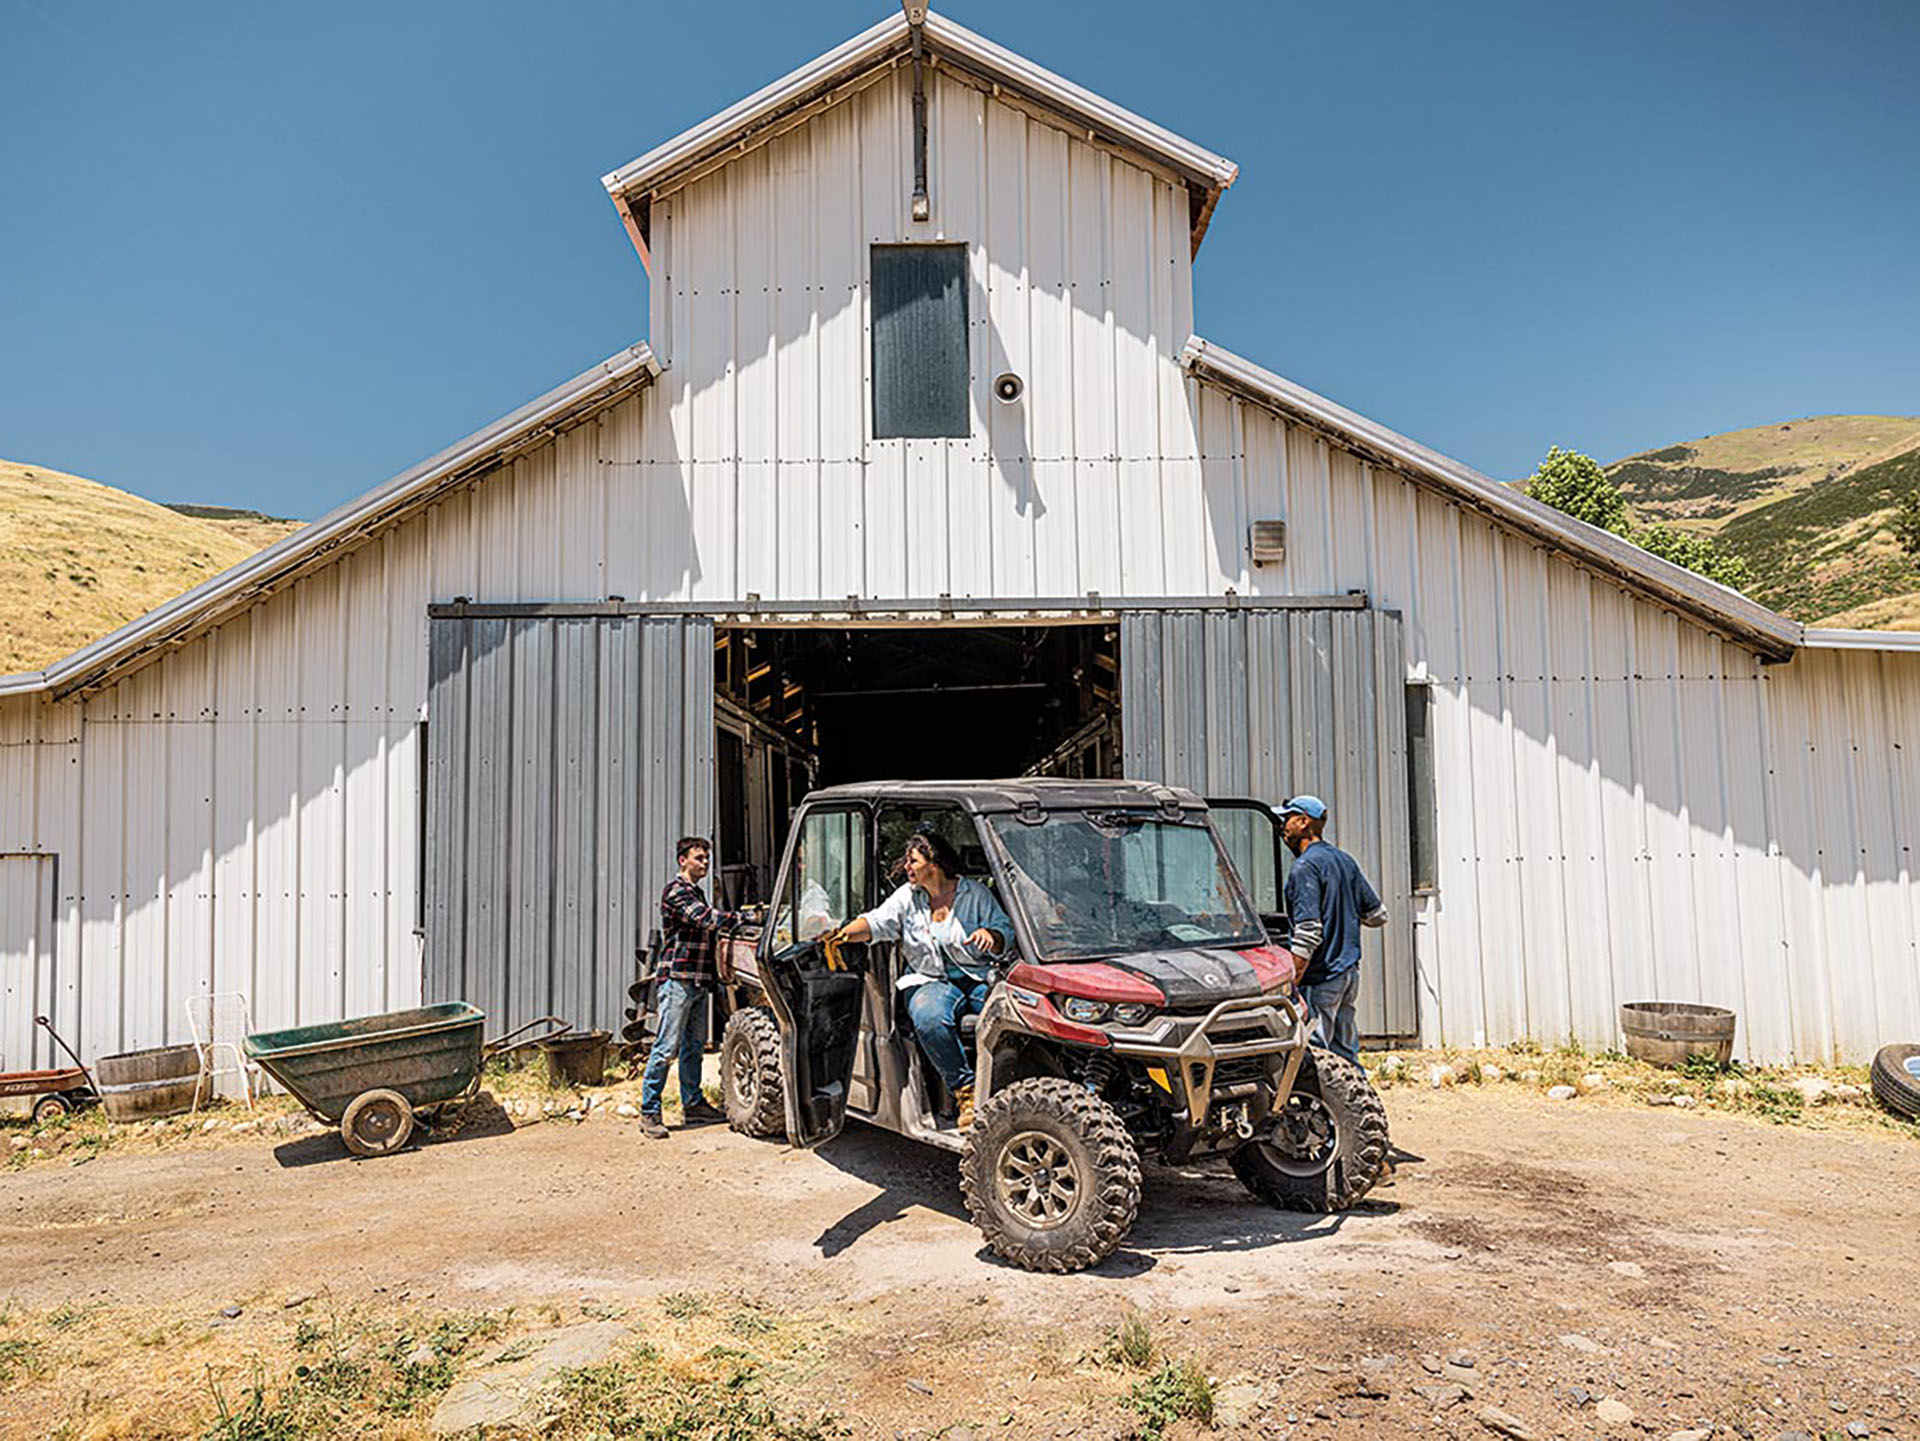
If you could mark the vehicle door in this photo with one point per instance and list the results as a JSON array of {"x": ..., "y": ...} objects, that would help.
[
  {"x": 816, "y": 991},
  {"x": 1250, "y": 832}
]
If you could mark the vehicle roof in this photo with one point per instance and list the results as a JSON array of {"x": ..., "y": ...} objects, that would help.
[{"x": 985, "y": 796}]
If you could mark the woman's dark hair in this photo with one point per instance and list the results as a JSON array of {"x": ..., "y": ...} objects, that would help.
[{"x": 935, "y": 847}]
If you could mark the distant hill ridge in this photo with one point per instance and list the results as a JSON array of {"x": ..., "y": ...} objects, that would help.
[
  {"x": 1808, "y": 504},
  {"x": 79, "y": 559}
]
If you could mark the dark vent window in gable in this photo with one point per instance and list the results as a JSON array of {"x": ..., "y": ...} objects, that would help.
[{"x": 919, "y": 341}]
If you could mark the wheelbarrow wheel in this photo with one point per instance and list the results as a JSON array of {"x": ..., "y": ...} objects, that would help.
[
  {"x": 51, "y": 1108},
  {"x": 377, "y": 1123}
]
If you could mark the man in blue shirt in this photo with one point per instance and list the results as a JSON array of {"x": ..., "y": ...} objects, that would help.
[{"x": 1328, "y": 901}]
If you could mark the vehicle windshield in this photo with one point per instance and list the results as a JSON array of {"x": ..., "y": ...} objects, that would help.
[{"x": 1103, "y": 883}]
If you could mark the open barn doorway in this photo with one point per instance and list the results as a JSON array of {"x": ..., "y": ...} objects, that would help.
[{"x": 800, "y": 707}]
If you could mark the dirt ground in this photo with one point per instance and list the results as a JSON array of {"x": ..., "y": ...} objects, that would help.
[{"x": 1558, "y": 1262}]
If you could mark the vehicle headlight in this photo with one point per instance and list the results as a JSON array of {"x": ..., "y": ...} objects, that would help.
[
  {"x": 1077, "y": 1009},
  {"x": 1131, "y": 1013}
]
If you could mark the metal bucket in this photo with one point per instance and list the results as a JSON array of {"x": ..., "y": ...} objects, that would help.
[
  {"x": 136, "y": 1085},
  {"x": 578, "y": 1058},
  {"x": 1666, "y": 1033}
]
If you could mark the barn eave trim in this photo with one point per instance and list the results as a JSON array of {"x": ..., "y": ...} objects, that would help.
[
  {"x": 258, "y": 576},
  {"x": 1724, "y": 611}
]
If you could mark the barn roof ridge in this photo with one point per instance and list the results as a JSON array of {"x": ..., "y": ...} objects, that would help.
[
  {"x": 1720, "y": 607},
  {"x": 786, "y": 101}
]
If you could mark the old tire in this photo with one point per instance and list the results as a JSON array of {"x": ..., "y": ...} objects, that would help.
[
  {"x": 1325, "y": 1147},
  {"x": 376, "y": 1123},
  {"x": 1896, "y": 1080},
  {"x": 1050, "y": 1175},
  {"x": 51, "y": 1108},
  {"x": 750, "y": 1084}
]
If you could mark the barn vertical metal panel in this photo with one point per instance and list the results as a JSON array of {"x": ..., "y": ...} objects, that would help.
[
  {"x": 28, "y": 983},
  {"x": 566, "y": 755},
  {"x": 1268, "y": 703}
]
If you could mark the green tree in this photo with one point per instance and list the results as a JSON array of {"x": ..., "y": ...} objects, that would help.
[
  {"x": 1906, "y": 525},
  {"x": 1696, "y": 553},
  {"x": 1571, "y": 482}
]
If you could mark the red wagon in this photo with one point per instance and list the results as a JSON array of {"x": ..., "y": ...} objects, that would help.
[{"x": 50, "y": 1093}]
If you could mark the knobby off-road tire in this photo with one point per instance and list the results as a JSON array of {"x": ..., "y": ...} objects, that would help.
[
  {"x": 1051, "y": 1176},
  {"x": 376, "y": 1123},
  {"x": 1336, "y": 1108},
  {"x": 1894, "y": 1086},
  {"x": 751, "y": 1088}
]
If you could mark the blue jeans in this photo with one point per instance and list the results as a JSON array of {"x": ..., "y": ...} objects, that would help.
[
  {"x": 682, "y": 1034},
  {"x": 1330, "y": 1003},
  {"x": 935, "y": 1008}
]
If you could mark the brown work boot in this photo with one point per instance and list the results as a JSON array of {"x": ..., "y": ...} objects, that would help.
[
  {"x": 703, "y": 1110},
  {"x": 653, "y": 1128},
  {"x": 963, "y": 1098}
]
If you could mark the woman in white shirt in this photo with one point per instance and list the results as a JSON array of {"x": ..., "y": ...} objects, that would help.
[{"x": 949, "y": 928}]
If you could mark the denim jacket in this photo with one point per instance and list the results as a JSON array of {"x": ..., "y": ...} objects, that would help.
[{"x": 940, "y": 952}]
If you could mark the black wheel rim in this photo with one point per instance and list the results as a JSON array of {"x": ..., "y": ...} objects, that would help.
[{"x": 1304, "y": 1137}]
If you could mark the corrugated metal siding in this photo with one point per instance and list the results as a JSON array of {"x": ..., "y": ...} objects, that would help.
[
  {"x": 565, "y": 757},
  {"x": 1267, "y": 704},
  {"x": 29, "y": 981},
  {"x": 1628, "y": 807},
  {"x": 1080, "y": 282}
]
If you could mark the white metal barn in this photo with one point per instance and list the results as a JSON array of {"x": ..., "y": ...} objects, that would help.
[{"x": 923, "y": 470}]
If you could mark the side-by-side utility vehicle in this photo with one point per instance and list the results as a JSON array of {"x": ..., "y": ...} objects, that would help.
[{"x": 1144, "y": 1007}]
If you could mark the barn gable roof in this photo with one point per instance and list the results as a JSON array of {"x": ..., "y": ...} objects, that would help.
[
  {"x": 249, "y": 582},
  {"x": 1719, "y": 608},
  {"x": 789, "y": 100}
]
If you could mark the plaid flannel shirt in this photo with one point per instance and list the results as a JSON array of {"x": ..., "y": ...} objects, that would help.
[{"x": 688, "y": 926}]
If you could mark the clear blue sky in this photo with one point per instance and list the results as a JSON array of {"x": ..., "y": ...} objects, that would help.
[{"x": 267, "y": 255}]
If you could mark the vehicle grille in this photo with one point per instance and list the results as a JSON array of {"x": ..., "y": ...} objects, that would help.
[{"x": 1240, "y": 1069}]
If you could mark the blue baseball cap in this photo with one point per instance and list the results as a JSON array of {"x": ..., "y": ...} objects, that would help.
[{"x": 1312, "y": 807}]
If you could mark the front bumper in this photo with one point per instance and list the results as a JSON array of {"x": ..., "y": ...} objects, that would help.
[
  {"x": 1242, "y": 1053},
  {"x": 1192, "y": 1052}
]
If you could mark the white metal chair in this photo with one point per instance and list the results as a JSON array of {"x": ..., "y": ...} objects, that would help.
[{"x": 219, "y": 1021}]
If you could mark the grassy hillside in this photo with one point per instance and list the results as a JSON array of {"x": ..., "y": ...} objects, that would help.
[
  {"x": 79, "y": 559},
  {"x": 1807, "y": 504}
]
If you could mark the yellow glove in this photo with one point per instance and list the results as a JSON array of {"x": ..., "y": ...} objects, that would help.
[{"x": 830, "y": 948}]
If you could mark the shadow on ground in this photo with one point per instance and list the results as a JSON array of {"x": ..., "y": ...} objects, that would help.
[
  {"x": 482, "y": 1119},
  {"x": 1187, "y": 1210}
]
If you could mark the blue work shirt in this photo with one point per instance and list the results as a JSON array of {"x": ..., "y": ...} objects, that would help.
[
  {"x": 940, "y": 952},
  {"x": 1325, "y": 885}
]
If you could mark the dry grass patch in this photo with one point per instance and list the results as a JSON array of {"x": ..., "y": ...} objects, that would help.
[
  {"x": 320, "y": 1369},
  {"x": 1819, "y": 1097},
  {"x": 79, "y": 559}
]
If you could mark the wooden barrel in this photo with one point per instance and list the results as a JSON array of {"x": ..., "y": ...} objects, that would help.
[
  {"x": 137, "y": 1085},
  {"x": 1668, "y": 1032}
]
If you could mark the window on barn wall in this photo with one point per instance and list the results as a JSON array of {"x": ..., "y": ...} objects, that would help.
[
  {"x": 919, "y": 341},
  {"x": 1422, "y": 817}
]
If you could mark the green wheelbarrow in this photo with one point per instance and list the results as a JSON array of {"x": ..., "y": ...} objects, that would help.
[{"x": 374, "y": 1075}]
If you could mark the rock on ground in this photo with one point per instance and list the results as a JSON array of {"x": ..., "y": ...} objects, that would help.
[
  {"x": 503, "y": 1391},
  {"x": 1505, "y": 1423}
]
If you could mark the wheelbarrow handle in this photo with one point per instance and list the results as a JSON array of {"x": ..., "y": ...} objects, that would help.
[
  {"x": 43, "y": 1021},
  {"x": 500, "y": 1045}
]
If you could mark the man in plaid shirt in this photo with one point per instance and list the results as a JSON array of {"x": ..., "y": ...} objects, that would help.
[{"x": 688, "y": 926}]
